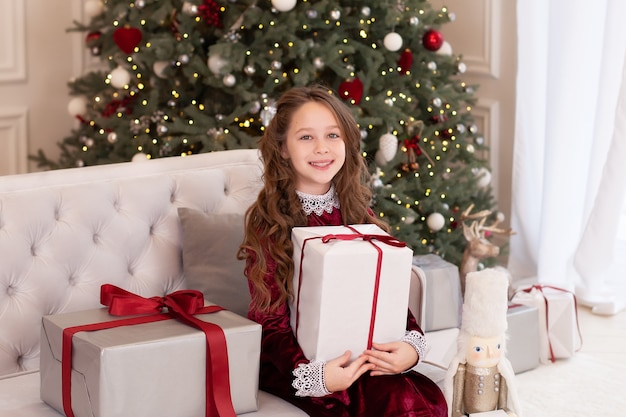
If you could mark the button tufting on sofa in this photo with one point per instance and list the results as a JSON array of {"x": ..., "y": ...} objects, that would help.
[{"x": 11, "y": 290}]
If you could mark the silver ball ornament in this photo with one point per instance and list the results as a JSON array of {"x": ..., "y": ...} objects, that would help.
[
  {"x": 112, "y": 137},
  {"x": 318, "y": 63},
  {"x": 229, "y": 80}
]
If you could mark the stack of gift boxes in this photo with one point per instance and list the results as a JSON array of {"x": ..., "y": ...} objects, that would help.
[
  {"x": 542, "y": 320},
  {"x": 338, "y": 264}
]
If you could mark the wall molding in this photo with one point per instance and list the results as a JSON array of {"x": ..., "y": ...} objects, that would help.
[
  {"x": 12, "y": 41},
  {"x": 487, "y": 63},
  {"x": 13, "y": 140}
]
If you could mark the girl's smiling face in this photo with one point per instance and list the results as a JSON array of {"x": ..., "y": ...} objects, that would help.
[{"x": 315, "y": 147}]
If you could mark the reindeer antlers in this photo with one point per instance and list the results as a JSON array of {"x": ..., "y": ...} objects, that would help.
[{"x": 478, "y": 228}]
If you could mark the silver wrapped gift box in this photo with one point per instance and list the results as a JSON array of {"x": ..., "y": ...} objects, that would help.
[
  {"x": 522, "y": 346},
  {"x": 441, "y": 291},
  {"x": 151, "y": 369},
  {"x": 559, "y": 332}
]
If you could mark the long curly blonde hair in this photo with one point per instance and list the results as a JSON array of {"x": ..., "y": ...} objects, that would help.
[{"x": 277, "y": 210}]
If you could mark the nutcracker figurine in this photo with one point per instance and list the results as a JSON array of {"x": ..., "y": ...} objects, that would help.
[{"x": 480, "y": 378}]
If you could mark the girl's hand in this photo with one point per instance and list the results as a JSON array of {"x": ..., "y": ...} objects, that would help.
[
  {"x": 391, "y": 358},
  {"x": 338, "y": 375}
]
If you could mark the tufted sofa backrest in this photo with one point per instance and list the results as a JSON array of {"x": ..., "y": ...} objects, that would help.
[{"x": 65, "y": 233}]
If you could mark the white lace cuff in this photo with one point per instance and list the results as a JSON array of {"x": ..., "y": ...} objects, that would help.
[
  {"x": 309, "y": 379},
  {"x": 418, "y": 341}
]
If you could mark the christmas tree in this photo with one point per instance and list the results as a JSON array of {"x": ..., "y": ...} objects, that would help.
[{"x": 193, "y": 76}]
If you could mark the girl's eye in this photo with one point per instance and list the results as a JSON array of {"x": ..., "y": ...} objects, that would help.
[
  {"x": 305, "y": 137},
  {"x": 333, "y": 135},
  {"x": 478, "y": 349}
]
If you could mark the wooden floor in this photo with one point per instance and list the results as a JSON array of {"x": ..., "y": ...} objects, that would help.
[{"x": 604, "y": 337}]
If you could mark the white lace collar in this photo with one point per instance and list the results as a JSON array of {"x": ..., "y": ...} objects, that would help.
[{"x": 312, "y": 203}]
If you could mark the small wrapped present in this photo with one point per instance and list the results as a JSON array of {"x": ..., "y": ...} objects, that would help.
[
  {"x": 559, "y": 332},
  {"x": 442, "y": 293},
  {"x": 351, "y": 288},
  {"x": 522, "y": 346},
  {"x": 190, "y": 361}
]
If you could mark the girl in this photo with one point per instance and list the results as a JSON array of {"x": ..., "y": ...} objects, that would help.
[{"x": 315, "y": 176}]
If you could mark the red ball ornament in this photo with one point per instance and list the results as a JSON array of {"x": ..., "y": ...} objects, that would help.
[
  {"x": 92, "y": 38},
  {"x": 432, "y": 40},
  {"x": 127, "y": 38},
  {"x": 405, "y": 61},
  {"x": 351, "y": 90}
]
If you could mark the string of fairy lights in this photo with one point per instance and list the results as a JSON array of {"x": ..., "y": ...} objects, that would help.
[{"x": 130, "y": 80}]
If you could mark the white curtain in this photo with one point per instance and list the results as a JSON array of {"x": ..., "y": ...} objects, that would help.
[{"x": 569, "y": 168}]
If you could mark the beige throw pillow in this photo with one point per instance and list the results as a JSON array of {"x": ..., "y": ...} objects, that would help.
[{"x": 210, "y": 264}]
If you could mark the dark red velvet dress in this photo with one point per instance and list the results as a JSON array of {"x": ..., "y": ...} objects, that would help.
[{"x": 409, "y": 394}]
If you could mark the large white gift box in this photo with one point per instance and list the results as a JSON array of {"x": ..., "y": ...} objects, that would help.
[
  {"x": 441, "y": 288},
  {"x": 559, "y": 335},
  {"x": 351, "y": 287},
  {"x": 149, "y": 369}
]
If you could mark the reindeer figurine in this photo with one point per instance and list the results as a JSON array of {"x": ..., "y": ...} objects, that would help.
[{"x": 478, "y": 247}]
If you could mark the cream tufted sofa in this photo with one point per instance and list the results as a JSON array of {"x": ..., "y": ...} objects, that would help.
[{"x": 65, "y": 233}]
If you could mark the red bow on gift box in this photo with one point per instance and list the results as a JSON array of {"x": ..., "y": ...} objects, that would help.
[
  {"x": 540, "y": 289},
  {"x": 181, "y": 305}
]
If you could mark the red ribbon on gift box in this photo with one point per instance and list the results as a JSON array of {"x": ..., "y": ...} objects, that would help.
[
  {"x": 540, "y": 288},
  {"x": 181, "y": 305},
  {"x": 387, "y": 239}
]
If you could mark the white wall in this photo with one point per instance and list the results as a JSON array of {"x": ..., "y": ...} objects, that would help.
[{"x": 36, "y": 61}]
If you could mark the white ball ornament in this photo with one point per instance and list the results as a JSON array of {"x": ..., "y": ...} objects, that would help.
[
  {"x": 120, "y": 77},
  {"x": 159, "y": 68},
  {"x": 93, "y": 8},
  {"x": 216, "y": 63},
  {"x": 484, "y": 177},
  {"x": 229, "y": 80},
  {"x": 445, "y": 49},
  {"x": 392, "y": 41},
  {"x": 139, "y": 157},
  {"x": 77, "y": 106},
  {"x": 435, "y": 221},
  {"x": 112, "y": 137},
  {"x": 284, "y": 5},
  {"x": 190, "y": 9},
  {"x": 388, "y": 145}
]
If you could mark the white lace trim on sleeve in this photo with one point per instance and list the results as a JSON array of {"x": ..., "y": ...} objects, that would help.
[
  {"x": 418, "y": 341},
  {"x": 309, "y": 379}
]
